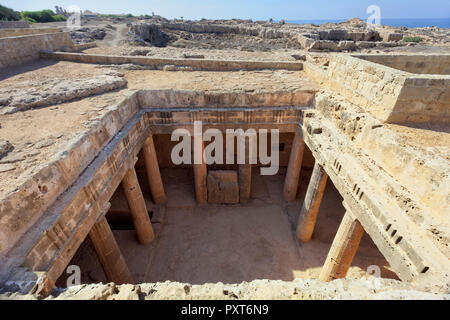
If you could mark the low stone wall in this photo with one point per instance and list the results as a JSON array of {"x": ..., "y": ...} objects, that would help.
[
  {"x": 391, "y": 95},
  {"x": 425, "y": 176},
  {"x": 210, "y": 65},
  {"x": 84, "y": 46},
  {"x": 195, "y": 99},
  {"x": 413, "y": 63},
  {"x": 19, "y": 50},
  {"x": 14, "y": 24},
  {"x": 26, "y": 31}
]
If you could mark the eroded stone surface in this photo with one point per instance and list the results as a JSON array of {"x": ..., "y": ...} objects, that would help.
[
  {"x": 299, "y": 289},
  {"x": 34, "y": 94}
]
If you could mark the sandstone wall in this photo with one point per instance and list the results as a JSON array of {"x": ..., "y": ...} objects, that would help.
[
  {"x": 391, "y": 95},
  {"x": 20, "y": 210},
  {"x": 19, "y": 50},
  {"x": 368, "y": 85},
  {"x": 25, "y": 31},
  {"x": 164, "y": 147},
  {"x": 425, "y": 175},
  {"x": 423, "y": 99},
  {"x": 414, "y": 63},
  {"x": 14, "y": 24},
  {"x": 189, "y": 99}
]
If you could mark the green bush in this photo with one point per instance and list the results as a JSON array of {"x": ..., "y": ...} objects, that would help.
[
  {"x": 7, "y": 14},
  {"x": 59, "y": 17},
  {"x": 29, "y": 20},
  {"x": 412, "y": 39},
  {"x": 43, "y": 16},
  {"x": 129, "y": 15}
]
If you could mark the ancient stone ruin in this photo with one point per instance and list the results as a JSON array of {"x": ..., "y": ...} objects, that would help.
[{"x": 358, "y": 207}]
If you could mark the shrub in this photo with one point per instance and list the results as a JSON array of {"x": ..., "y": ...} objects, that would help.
[
  {"x": 282, "y": 22},
  {"x": 59, "y": 17},
  {"x": 108, "y": 16},
  {"x": 7, "y": 14},
  {"x": 29, "y": 20},
  {"x": 129, "y": 15},
  {"x": 42, "y": 16},
  {"x": 412, "y": 39}
]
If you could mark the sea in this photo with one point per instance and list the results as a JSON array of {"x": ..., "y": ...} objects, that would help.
[{"x": 409, "y": 23}]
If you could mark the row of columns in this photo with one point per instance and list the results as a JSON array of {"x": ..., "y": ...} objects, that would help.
[
  {"x": 338, "y": 260},
  {"x": 101, "y": 235},
  {"x": 350, "y": 232},
  {"x": 105, "y": 244}
]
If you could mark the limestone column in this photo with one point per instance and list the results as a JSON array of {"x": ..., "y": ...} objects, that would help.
[
  {"x": 311, "y": 205},
  {"x": 153, "y": 173},
  {"x": 200, "y": 171},
  {"x": 245, "y": 182},
  {"x": 343, "y": 249},
  {"x": 136, "y": 202},
  {"x": 109, "y": 254},
  {"x": 294, "y": 167},
  {"x": 245, "y": 170}
]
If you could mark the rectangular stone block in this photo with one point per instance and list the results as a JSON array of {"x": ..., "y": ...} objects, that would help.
[{"x": 223, "y": 187}]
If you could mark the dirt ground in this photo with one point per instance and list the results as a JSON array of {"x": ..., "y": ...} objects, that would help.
[{"x": 231, "y": 243}]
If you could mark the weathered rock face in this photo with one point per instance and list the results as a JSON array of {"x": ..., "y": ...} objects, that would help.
[
  {"x": 85, "y": 35},
  {"x": 43, "y": 93},
  {"x": 259, "y": 36},
  {"x": 299, "y": 289},
  {"x": 223, "y": 187}
]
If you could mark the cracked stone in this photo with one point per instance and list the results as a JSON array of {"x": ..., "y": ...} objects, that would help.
[{"x": 6, "y": 167}]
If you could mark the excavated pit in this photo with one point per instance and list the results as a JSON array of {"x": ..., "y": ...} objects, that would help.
[
  {"x": 229, "y": 243},
  {"x": 111, "y": 180}
]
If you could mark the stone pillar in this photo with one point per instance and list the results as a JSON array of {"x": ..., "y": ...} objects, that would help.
[
  {"x": 136, "y": 202},
  {"x": 245, "y": 170},
  {"x": 153, "y": 173},
  {"x": 294, "y": 167},
  {"x": 245, "y": 182},
  {"x": 200, "y": 171},
  {"x": 311, "y": 205},
  {"x": 343, "y": 249},
  {"x": 109, "y": 254}
]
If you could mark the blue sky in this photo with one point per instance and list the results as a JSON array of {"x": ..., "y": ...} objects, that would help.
[{"x": 251, "y": 9}]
